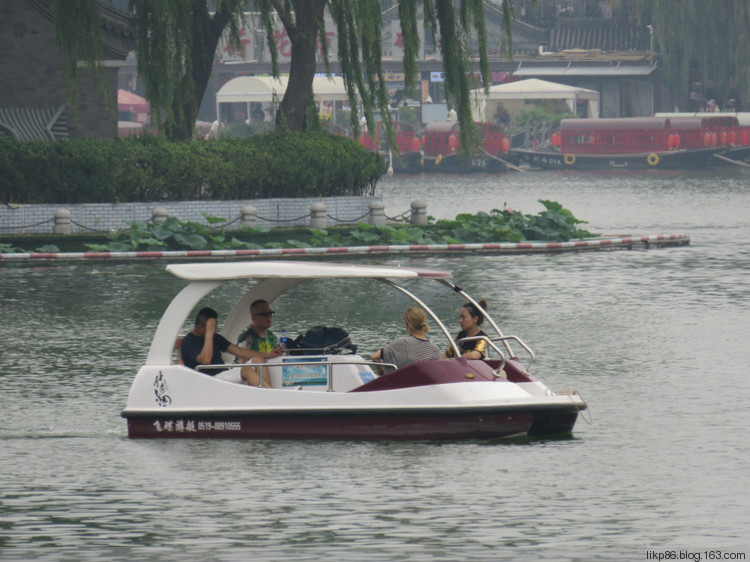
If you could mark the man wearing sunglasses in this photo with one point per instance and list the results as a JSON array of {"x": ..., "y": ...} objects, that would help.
[{"x": 259, "y": 338}]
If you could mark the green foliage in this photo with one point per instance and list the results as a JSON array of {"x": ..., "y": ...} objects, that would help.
[
  {"x": 149, "y": 168},
  {"x": 171, "y": 234},
  {"x": 554, "y": 224},
  {"x": 539, "y": 116},
  {"x": 6, "y": 248},
  {"x": 708, "y": 40},
  {"x": 409, "y": 116},
  {"x": 78, "y": 36},
  {"x": 175, "y": 43}
]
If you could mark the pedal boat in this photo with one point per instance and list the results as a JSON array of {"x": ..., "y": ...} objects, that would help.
[{"x": 337, "y": 396}]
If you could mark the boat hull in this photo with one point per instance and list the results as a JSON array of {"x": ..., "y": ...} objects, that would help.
[
  {"x": 462, "y": 164},
  {"x": 732, "y": 156},
  {"x": 679, "y": 159},
  {"x": 430, "y": 400},
  {"x": 378, "y": 425},
  {"x": 408, "y": 163}
]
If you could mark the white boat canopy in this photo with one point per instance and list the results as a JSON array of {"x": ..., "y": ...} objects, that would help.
[
  {"x": 226, "y": 271},
  {"x": 514, "y": 95},
  {"x": 274, "y": 278}
]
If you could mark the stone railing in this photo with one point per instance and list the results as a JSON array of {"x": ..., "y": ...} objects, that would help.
[{"x": 105, "y": 218}]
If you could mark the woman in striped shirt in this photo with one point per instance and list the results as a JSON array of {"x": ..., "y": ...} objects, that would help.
[{"x": 414, "y": 347}]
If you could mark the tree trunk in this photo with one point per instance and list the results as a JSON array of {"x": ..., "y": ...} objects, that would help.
[
  {"x": 303, "y": 35},
  {"x": 207, "y": 31}
]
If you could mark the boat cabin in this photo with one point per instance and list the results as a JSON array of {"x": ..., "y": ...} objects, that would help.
[
  {"x": 634, "y": 135},
  {"x": 614, "y": 136},
  {"x": 406, "y": 138},
  {"x": 442, "y": 138}
]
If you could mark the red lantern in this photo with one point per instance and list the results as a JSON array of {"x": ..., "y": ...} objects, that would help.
[
  {"x": 723, "y": 138},
  {"x": 415, "y": 144},
  {"x": 670, "y": 142},
  {"x": 745, "y": 136},
  {"x": 733, "y": 137},
  {"x": 453, "y": 142},
  {"x": 506, "y": 145}
]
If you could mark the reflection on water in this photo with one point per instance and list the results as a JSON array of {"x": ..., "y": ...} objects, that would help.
[{"x": 655, "y": 341}]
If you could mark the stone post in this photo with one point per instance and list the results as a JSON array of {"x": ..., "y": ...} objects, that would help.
[
  {"x": 418, "y": 212},
  {"x": 249, "y": 216},
  {"x": 159, "y": 214},
  {"x": 377, "y": 213},
  {"x": 62, "y": 222},
  {"x": 318, "y": 218}
]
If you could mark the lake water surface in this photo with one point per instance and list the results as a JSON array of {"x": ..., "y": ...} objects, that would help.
[{"x": 657, "y": 342}]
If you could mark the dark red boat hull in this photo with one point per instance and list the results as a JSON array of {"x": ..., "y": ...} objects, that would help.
[
  {"x": 398, "y": 425},
  {"x": 673, "y": 160}
]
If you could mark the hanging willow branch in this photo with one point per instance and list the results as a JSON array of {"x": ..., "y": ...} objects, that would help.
[
  {"x": 176, "y": 41},
  {"x": 78, "y": 31},
  {"x": 707, "y": 38}
]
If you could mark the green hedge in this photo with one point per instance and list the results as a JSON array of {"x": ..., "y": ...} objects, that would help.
[{"x": 148, "y": 168}]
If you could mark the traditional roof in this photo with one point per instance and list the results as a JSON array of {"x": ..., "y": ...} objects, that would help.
[{"x": 599, "y": 34}]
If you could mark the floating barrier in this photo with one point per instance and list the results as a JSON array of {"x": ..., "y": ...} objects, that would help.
[{"x": 603, "y": 243}]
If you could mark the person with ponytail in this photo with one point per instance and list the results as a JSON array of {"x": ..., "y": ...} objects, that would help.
[
  {"x": 412, "y": 348},
  {"x": 470, "y": 319}
]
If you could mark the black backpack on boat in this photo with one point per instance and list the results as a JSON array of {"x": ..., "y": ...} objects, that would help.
[{"x": 321, "y": 340}]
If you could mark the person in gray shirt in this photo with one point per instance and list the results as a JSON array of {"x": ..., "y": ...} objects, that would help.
[{"x": 414, "y": 347}]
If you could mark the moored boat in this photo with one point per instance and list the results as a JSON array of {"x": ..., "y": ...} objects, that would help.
[
  {"x": 408, "y": 157},
  {"x": 629, "y": 143},
  {"x": 441, "y": 146},
  {"x": 730, "y": 131},
  {"x": 326, "y": 395}
]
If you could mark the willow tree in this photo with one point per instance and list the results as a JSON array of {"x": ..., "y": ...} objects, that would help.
[
  {"x": 359, "y": 28},
  {"x": 176, "y": 42},
  {"x": 711, "y": 38}
]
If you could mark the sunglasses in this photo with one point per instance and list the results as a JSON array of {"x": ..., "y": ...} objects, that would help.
[{"x": 269, "y": 313}]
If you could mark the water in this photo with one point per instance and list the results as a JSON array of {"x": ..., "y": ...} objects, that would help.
[{"x": 656, "y": 341}]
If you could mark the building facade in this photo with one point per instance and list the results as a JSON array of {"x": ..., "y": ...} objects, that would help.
[{"x": 33, "y": 103}]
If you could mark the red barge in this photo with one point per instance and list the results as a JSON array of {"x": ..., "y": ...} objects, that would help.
[{"x": 641, "y": 143}]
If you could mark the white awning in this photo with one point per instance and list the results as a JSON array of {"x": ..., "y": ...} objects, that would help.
[
  {"x": 533, "y": 89},
  {"x": 265, "y": 88}
]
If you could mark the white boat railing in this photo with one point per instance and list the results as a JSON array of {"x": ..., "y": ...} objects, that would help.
[
  {"x": 525, "y": 347},
  {"x": 503, "y": 339},
  {"x": 329, "y": 367}
]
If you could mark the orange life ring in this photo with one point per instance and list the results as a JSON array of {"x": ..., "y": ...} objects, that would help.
[
  {"x": 652, "y": 159},
  {"x": 569, "y": 159}
]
